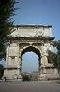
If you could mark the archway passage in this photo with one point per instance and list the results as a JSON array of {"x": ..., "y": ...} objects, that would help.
[
  {"x": 32, "y": 56},
  {"x": 30, "y": 62},
  {"x": 31, "y": 48}
]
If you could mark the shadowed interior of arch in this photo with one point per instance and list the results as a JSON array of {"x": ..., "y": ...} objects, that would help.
[{"x": 30, "y": 58}]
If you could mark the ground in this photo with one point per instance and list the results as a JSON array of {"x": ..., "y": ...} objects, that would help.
[{"x": 34, "y": 86}]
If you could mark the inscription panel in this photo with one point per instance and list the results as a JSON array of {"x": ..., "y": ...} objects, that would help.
[{"x": 43, "y": 31}]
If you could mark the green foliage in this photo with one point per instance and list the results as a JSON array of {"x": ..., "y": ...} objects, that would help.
[
  {"x": 58, "y": 47},
  {"x": 55, "y": 57},
  {"x": 52, "y": 58},
  {"x": 26, "y": 77},
  {"x": 6, "y": 11},
  {"x": 58, "y": 54},
  {"x": 1, "y": 71},
  {"x": 2, "y": 47}
]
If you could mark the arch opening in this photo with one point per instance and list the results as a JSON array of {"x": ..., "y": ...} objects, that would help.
[
  {"x": 29, "y": 49},
  {"x": 33, "y": 54}
]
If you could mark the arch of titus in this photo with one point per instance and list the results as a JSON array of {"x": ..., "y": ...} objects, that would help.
[{"x": 24, "y": 38}]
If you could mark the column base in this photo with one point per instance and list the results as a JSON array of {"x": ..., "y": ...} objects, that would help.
[
  {"x": 48, "y": 72},
  {"x": 12, "y": 74}
]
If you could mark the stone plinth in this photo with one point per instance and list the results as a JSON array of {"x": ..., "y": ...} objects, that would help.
[{"x": 48, "y": 72}]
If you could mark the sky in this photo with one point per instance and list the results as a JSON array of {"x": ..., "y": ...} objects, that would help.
[
  {"x": 30, "y": 62},
  {"x": 46, "y": 12}
]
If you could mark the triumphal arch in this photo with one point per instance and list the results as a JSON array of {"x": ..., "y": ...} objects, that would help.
[{"x": 24, "y": 38}]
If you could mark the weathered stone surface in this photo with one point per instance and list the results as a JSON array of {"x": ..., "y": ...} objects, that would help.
[
  {"x": 35, "y": 31},
  {"x": 29, "y": 38}
]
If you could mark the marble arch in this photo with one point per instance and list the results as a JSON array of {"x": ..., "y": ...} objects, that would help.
[{"x": 29, "y": 37}]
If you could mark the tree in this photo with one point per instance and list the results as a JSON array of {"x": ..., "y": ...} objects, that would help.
[
  {"x": 6, "y": 11},
  {"x": 55, "y": 57},
  {"x": 52, "y": 58},
  {"x": 1, "y": 71},
  {"x": 58, "y": 54}
]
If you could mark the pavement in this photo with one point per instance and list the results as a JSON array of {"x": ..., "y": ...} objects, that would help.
[{"x": 30, "y": 86}]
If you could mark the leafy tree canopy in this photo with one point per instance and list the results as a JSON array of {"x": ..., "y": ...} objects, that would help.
[
  {"x": 52, "y": 58},
  {"x": 1, "y": 71},
  {"x": 6, "y": 11},
  {"x": 55, "y": 57}
]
